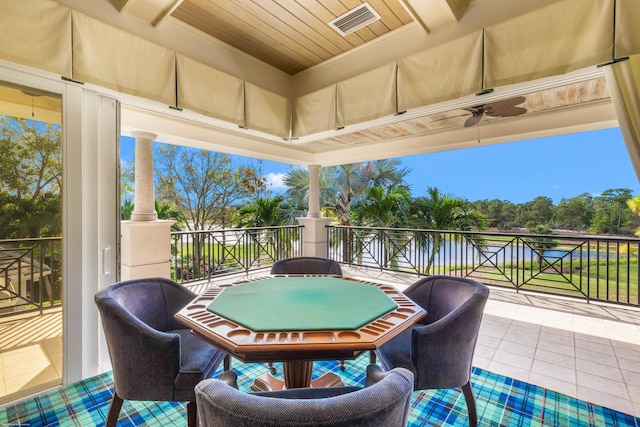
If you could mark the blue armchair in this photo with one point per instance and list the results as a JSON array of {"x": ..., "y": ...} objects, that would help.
[
  {"x": 154, "y": 357},
  {"x": 383, "y": 402},
  {"x": 439, "y": 350},
  {"x": 306, "y": 265}
]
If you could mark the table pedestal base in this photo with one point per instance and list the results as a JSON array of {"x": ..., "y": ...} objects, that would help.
[{"x": 297, "y": 374}]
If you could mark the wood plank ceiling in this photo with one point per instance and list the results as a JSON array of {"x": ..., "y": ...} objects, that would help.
[{"x": 291, "y": 35}]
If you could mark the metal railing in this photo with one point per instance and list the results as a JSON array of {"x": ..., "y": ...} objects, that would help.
[
  {"x": 588, "y": 267},
  {"x": 198, "y": 255},
  {"x": 30, "y": 274}
]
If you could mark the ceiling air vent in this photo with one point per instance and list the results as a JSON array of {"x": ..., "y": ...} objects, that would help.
[{"x": 354, "y": 19}]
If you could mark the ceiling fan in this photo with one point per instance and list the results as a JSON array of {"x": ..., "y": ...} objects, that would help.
[{"x": 503, "y": 108}]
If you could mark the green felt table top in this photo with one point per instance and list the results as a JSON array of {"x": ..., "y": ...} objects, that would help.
[{"x": 302, "y": 304}]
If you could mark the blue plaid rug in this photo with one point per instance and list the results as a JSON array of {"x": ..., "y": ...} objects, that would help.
[{"x": 501, "y": 402}]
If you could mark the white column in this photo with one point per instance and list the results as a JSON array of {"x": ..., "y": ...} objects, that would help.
[
  {"x": 314, "y": 192},
  {"x": 314, "y": 237},
  {"x": 144, "y": 208},
  {"x": 146, "y": 241}
]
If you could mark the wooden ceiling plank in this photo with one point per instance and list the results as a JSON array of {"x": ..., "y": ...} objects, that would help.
[
  {"x": 269, "y": 13},
  {"x": 399, "y": 11},
  {"x": 316, "y": 23},
  {"x": 221, "y": 23},
  {"x": 388, "y": 18}
]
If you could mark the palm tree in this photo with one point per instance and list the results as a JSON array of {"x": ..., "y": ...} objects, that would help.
[
  {"x": 268, "y": 212},
  {"x": 439, "y": 211},
  {"x": 386, "y": 209},
  {"x": 540, "y": 245},
  {"x": 340, "y": 185}
]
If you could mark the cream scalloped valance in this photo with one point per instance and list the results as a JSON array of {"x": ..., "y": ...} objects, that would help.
[
  {"x": 36, "y": 33},
  {"x": 565, "y": 35},
  {"x": 210, "y": 92},
  {"x": 110, "y": 57}
]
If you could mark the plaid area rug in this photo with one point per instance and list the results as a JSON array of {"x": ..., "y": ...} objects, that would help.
[{"x": 501, "y": 402}]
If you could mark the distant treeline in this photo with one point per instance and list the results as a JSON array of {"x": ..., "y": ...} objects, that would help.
[{"x": 607, "y": 213}]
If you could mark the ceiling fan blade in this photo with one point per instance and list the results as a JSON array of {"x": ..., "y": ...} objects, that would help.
[
  {"x": 506, "y": 112},
  {"x": 505, "y": 107},
  {"x": 472, "y": 120}
]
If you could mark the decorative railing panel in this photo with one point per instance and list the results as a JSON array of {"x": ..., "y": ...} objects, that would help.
[
  {"x": 30, "y": 274},
  {"x": 589, "y": 267},
  {"x": 198, "y": 255}
]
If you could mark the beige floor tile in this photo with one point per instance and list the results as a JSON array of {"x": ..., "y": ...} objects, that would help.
[
  {"x": 485, "y": 351},
  {"x": 553, "y": 370},
  {"x": 552, "y": 383},
  {"x": 510, "y": 371},
  {"x": 517, "y": 348},
  {"x": 629, "y": 364},
  {"x": 596, "y": 368},
  {"x": 631, "y": 379},
  {"x": 596, "y": 382},
  {"x": 513, "y": 359},
  {"x": 554, "y": 358},
  {"x": 481, "y": 362},
  {"x": 566, "y": 349},
  {"x": 601, "y": 346}
]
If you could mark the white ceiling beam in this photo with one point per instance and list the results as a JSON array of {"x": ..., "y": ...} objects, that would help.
[
  {"x": 431, "y": 14},
  {"x": 151, "y": 11}
]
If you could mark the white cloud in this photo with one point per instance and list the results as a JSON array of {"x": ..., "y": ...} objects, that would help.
[{"x": 275, "y": 181}]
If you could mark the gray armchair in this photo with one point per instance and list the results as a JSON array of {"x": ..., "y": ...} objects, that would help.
[
  {"x": 154, "y": 357},
  {"x": 383, "y": 402},
  {"x": 306, "y": 265},
  {"x": 439, "y": 350}
]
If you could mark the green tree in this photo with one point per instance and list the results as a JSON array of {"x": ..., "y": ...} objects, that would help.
[
  {"x": 339, "y": 186},
  {"x": 537, "y": 211},
  {"x": 30, "y": 178},
  {"x": 204, "y": 185},
  {"x": 612, "y": 213},
  {"x": 385, "y": 209},
  {"x": 575, "y": 213},
  {"x": 438, "y": 211},
  {"x": 541, "y": 243}
]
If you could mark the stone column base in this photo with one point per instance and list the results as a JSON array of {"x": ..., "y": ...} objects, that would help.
[
  {"x": 314, "y": 236},
  {"x": 146, "y": 249}
]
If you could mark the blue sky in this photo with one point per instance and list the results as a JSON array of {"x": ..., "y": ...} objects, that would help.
[{"x": 557, "y": 167}]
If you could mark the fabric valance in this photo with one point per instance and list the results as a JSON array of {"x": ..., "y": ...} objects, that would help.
[
  {"x": 367, "y": 96},
  {"x": 565, "y": 36},
  {"x": 110, "y": 57},
  {"x": 448, "y": 71},
  {"x": 36, "y": 33},
  {"x": 208, "y": 91},
  {"x": 314, "y": 112},
  {"x": 266, "y": 111}
]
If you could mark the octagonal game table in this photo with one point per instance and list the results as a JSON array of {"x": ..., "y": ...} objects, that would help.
[{"x": 297, "y": 319}]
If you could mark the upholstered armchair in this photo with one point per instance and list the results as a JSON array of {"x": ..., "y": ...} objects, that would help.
[
  {"x": 306, "y": 265},
  {"x": 383, "y": 402},
  {"x": 154, "y": 357},
  {"x": 439, "y": 350}
]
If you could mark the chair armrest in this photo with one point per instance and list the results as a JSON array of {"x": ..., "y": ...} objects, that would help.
[
  {"x": 230, "y": 378},
  {"x": 375, "y": 373}
]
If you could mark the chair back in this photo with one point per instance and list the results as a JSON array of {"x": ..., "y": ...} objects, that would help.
[
  {"x": 137, "y": 317},
  {"x": 307, "y": 265},
  {"x": 382, "y": 404},
  {"x": 443, "y": 344}
]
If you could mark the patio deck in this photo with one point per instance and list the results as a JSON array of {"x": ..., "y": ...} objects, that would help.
[{"x": 587, "y": 351}]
